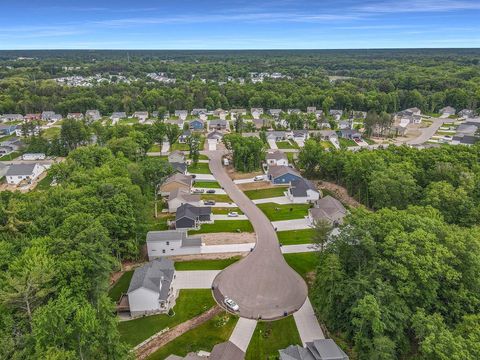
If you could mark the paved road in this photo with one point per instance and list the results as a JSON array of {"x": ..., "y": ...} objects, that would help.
[
  {"x": 262, "y": 284},
  {"x": 428, "y": 132}
]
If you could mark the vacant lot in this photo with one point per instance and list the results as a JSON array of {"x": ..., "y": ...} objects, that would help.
[
  {"x": 276, "y": 212},
  {"x": 225, "y": 226},
  {"x": 255, "y": 185},
  {"x": 295, "y": 237},
  {"x": 274, "y": 191},
  {"x": 271, "y": 336},
  {"x": 228, "y": 238},
  {"x": 190, "y": 303},
  {"x": 206, "y": 264}
]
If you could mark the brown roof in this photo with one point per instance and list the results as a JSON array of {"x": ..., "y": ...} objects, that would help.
[
  {"x": 180, "y": 178},
  {"x": 183, "y": 195},
  {"x": 226, "y": 351},
  {"x": 276, "y": 155},
  {"x": 328, "y": 208}
]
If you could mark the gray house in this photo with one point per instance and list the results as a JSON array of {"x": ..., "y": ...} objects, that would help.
[
  {"x": 327, "y": 208},
  {"x": 190, "y": 217},
  {"x": 222, "y": 351},
  {"x": 323, "y": 349}
]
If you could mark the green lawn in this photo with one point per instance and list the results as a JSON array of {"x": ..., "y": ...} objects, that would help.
[
  {"x": 219, "y": 264},
  {"x": 207, "y": 184},
  {"x": 276, "y": 212},
  {"x": 44, "y": 184},
  {"x": 295, "y": 237},
  {"x": 190, "y": 303},
  {"x": 159, "y": 223},
  {"x": 346, "y": 142},
  {"x": 287, "y": 145},
  {"x": 269, "y": 337},
  {"x": 51, "y": 132},
  {"x": 225, "y": 210},
  {"x": 200, "y": 168},
  {"x": 204, "y": 337},
  {"x": 266, "y": 193},
  {"x": 224, "y": 226},
  {"x": 201, "y": 157},
  {"x": 155, "y": 148},
  {"x": 7, "y": 137},
  {"x": 290, "y": 156},
  {"x": 302, "y": 263},
  {"x": 217, "y": 197},
  {"x": 178, "y": 146},
  {"x": 121, "y": 286},
  {"x": 11, "y": 156}
]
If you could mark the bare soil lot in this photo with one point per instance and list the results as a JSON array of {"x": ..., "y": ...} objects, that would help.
[{"x": 228, "y": 238}]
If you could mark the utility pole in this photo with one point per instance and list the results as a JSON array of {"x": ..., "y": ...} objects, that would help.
[{"x": 156, "y": 197}]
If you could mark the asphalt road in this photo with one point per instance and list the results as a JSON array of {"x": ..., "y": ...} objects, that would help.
[
  {"x": 428, "y": 132},
  {"x": 262, "y": 284}
]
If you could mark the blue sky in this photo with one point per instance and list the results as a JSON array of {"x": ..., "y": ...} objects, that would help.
[{"x": 233, "y": 24}]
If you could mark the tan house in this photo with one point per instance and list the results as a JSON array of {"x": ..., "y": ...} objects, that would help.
[{"x": 174, "y": 182}]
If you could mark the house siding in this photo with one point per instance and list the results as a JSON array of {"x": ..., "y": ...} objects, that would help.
[{"x": 285, "y": 179}]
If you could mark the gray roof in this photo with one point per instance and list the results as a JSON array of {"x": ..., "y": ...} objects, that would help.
[
  {"x": 469, "y": 129},
  {"x": 226, "y": 351},
  {"x": 172, "y": 235},
  {"x": 299, "y": 188},
  {"x": 323, "y": 349},
  {"x": 20, "y": 169},
  {"x": 275, "y": 134},
  {"x": 276, "y": 171},
  {"x": 215, "y": 135},
  {"x": 192, "y": 212},
  {"x": 183, "y": 195},
  {"x": 276, "y": 155},
  {"x": 153, "y": 275},
  {"x": 179, "y": 167},
  {"x": 184, "y": 179},
  {"x": 216, "y": 122},
  {"x": 295, "y": 352},
  {"x": 328, "y": 208}
]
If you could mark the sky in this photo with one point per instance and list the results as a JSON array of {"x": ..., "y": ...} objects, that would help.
[{"x": 234, "y": 24}]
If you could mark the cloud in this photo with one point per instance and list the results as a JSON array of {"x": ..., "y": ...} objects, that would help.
[{"x": 408, "y": 6}]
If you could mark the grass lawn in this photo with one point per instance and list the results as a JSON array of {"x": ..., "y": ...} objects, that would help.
[
  {"x": 295, "y": 237},
  {"x": 51, "y": 132},
  {"x": 224, "y": 226},
  {"x": 201, "y": 157},
  {"x": 200, "y": 168},
  {"x": 44, "y": 184},
  {"x": 155, "y": 148},
  {"x": 159, "y": 223},
  {"x": 226, "y": 210},
  {"x": 178, "y": 146},
  {"x": 7, "y": 137},
  {"x": 219, "y": 264},
  {"x": 216, "y": 197},
  {"x": 276, "y": 212},
  {"x": 302, "y": 263},
  {"x": 10, "y": 156},
  {"x": 190, "y": 303},
  {"x": 266, "y": 193},
  {"x": 369, "y": 141},
  {"x": 204, "y": 337},
  {"x": 346, "y": 142},
  {"x": 121, "y": 286},
  {"x": 269, "y": 337},
  {"x": 287, "y": 145},
  {"x": 290, "y": 156},
  {"x": 326, "y": 144},
  {"x": 207, "y": 184}
]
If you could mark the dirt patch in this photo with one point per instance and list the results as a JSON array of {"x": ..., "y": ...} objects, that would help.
[
  {"x": 256, "y": 185},
  {"x": 220, "y": 256},
  {"x": 228, "y": 238},
  {"x": 339, "y": 192}
]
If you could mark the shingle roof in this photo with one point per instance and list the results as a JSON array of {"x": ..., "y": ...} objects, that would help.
[
  {"x": 226, "y": 351},
  {"x": 184, "y": 179},
  {"x": 326, "y": 349},
  {"x": 276, "y": 171},
  {"x": 172, "y": 235},
  {"x": 183, "y": 195},
  {"x": 276, "y": 155},
  {"x": 328, "y": 208},
  {"x": 20, "y": 169},
  {"x": 299, "y": 188},
  {"x": 192, "y": 212},
  {"x": 152, "y": 274}
]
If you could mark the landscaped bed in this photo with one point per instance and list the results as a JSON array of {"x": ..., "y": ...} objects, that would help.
[
  {"x": 224, "y": 226},
  {"x": 271, "y": 336},
  {"x": 218, "y": 264},
  {"x": 204, "y": 337},
  {"x": 276, "y": 212},
  {"x": 190, "y": 303},
  {"x": 295, "y": 237},
  {"x": 276, "y": 191}
]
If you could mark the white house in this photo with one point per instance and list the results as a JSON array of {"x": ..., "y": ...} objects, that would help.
[
  {"x": 171, "y": 242},
  {"x": 276, "y": 158},
  {"x": 142, "y": 116},
  {"x": 302, "y": 191},
  {"x": 447, "y": 111},
  {"x": 33, "y": 156},
  {"x": 19, "y": 172},
  {"x": 150, "y": 289}
]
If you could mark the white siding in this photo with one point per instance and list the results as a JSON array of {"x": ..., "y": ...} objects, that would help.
[
  {"x": 143, "y": 301},
  {"x": 157, "y": 249}
]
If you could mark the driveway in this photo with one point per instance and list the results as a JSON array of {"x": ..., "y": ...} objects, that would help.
[
  {"x": 165, "y": 148},
  {"x": 281, "y": 200},
  {"x": 202, "y": 279},
  {"x": 272, "y": 144},
  {"x": 215, "y": 217},
  {"x": 262, "y": 283},
  {"x": 301, "y": 248},
  {"x": 249, "y": 180},
  {"x": 296, "y": 224},
  {"x": 243, "y": 332},
  {"x": 428, "y": 132},
  {"x": 204, "y": 177},
  {"x": 307, "y": 323}
]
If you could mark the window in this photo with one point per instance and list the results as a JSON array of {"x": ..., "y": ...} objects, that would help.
[
  {"x": 163, "y": 251},
  {"x": 168, "y": 242}
]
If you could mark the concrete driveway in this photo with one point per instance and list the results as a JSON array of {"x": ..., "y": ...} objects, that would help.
[
  {"x": 215, "y": 217},
  {"x": 202, "y": 279},
  {"x": 307, "y": 324},
  {"x": 281, "y": 200},
  {"x": 262, "y": 284},
  {"x": 272, "y": 144},
  {"x": 295, "y": 224}
]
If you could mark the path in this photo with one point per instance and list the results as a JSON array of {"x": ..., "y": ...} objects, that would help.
[
  {"x": 242, "y": 334},
  {"x": 262, "y": 284},
  {"x": 307, "y": 323}
]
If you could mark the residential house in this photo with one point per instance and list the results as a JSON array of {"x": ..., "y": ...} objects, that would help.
[
  {"x": 178, "y": 197},
  {"x": 235, "y": 112},
  {"x": 191, "y": 217},
  {"x": 183, "y": 138},
  {"x": 75, "y": 116},
  {"x": 196, "y": 125},
  {"x": 214, "y": 138},
  {"x": 300, "y": 135},
  {"x": 28, "y": 130},
  {"x": 448, "y": 111},
  {"x": 11, "y": 145},
  {"x": 150, "y": 290},
  {"x": 414, "y": 111},
  {"x": 178, "y": 122},
  {"x": 311, "y": 109},
  {"x": 256, "y": 112},
  {"x": 350, "y": 134},
  {"x": 282, "y": 175},
  {"x": 302, "y": 191},
  {"x": 33, "y": 156},
  {"x": 276, "y": 135},
  {"x": 180, "y": 168},
  {"x": 327, "y": 135},
  {"x": 294, "y": 111},
  {"x": 117, "y": 116},
  {"x": 11, "y": 117},
  {"x": 467, "y": 140},
  {"x": 222, "y": 114},
  {"x": 32, "y": 117},
  {"x": 261, "y": 123},
  {"x": 47, "y": 115},
  {"x": 176, "y": 181},
  {"x": 222, "y": 351},
  {"x": 466, "y": 113},
  {"x": 217, "y": 124},
  {"x": 336, "y": 114},
  {"x": 197, "y": 112},
  {"x": 358, "y": 115},
  {"x": 176, "y": 157},
  {"x": 322, "y": 349},
  {"x": 344, "y": 125},
  {"x": 55, "y": 118},
  {"x": 327, "y": 208},
  {"x": 6, "y": 130},
  {"x": 171, "y": 243},
  {"x": 276, "y": 158},
  {"x": 142, "y": 116},
  {"x": 181, "y": 114},
  {"x": 20, "y": 172},
  {"x": 93, "y": 115},
  {"x": 319, "y": 114},
  {"x": 274, "y": 112}
]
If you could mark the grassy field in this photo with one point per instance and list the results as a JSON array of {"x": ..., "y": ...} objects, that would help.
[
  {"x": 266, "y": 193},
  {"x": 216, "y": 197},
  {"x": 155, "y": 148},
  {"x": 200, "y": 168},
  {"x": 178, "y": 146},
  {"x": 225, "y": 211},
  {"x": 190, "y": 303},
  {"x": 302, "y": 263},
  {"x": 51, "y": 132},
  {"x": 10, "y": 156},
  {"x": 219, "y": 264},
  {"x": 287, "y": 145},
  {"x": 44, "y": 184},
  {"x": 204, "y": 337},
  {"x": 121, "y": 286},
  {"x": 295, "y": 237},
  {"x": 269, "y": 337},
  {"x": 207, "y": 184},
  {"x": 276, "y": 212},
  {"x": 224, "y": 226},
  {"x": 344, "y": 143}
]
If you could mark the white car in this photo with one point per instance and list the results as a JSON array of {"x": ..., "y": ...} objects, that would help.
[
  {"x": 259, "y": 178},
  {"x": 233, "y": 214},
  {"x": 232, "y": 305}
]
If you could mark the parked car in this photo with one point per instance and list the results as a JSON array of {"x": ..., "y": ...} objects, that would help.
[
  {"x": 259, "y": 178},
  {"x": 233, "y": 214},
  {"x": 209, "y": 202},
  {"x": 198, "y": 191},
  {"x": 211, "y": 191},
  {"x": 232, "y": 305}
]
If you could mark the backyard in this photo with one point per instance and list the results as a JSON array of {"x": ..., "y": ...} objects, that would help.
[
  {"x": 121, "y": 286},
  {"x": 276, "y": 212},
  {"x": 287, "y": 145},
  {"x": 199, "y": 168},
  {"x": 276, "y": 191}
]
